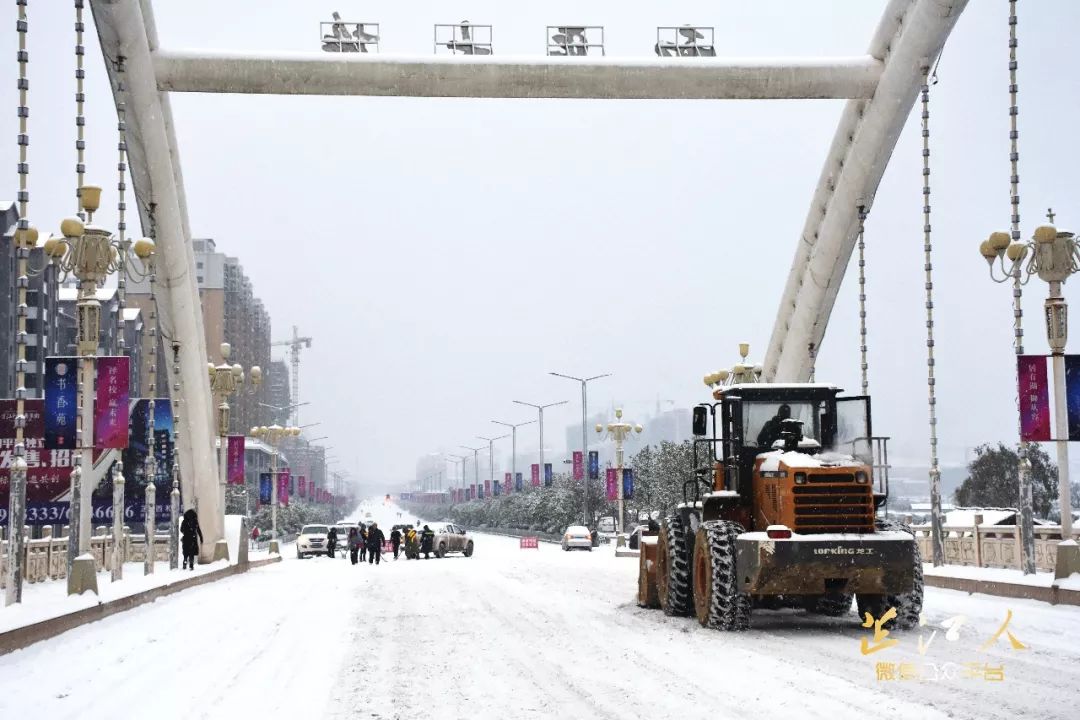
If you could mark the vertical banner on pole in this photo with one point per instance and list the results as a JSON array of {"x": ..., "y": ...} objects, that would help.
[
  {"x": 1072, "y": 393},
  {"x": 506, "y": 483},
  {"x": 111, "y": 403},
  {"x": 549, "y": 476},
  {"x": 487, "y": 487},
  {"x": 265, "y": 489},
  {"x": 594, "y": 465},
  {"x": 628, "y": 483},
  {"x": 303, "y": 486},
  {"x": 61, "y": 402},
  {"x": 579, "y": 470},
  {"x": 509, "y": 484},
  {"x": 612, "y": 487},
  {"x": 283, "y": 488},
  {"x": 519, "y": 483},
  {"x": 472, "y": 491},
  {"x": 497, "y": 488},
  {"x": 535, "y": 474},
  {"x": 1034, "y": 398},
  {"x": 235, "y": 458}
]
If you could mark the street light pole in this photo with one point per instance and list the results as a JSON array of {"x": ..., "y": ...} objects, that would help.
[
  {"x": 476, "y": 463},
  {"x": 540, "y": 419},
  {"x": 513, "y": 444},
  {"x": 491, "y": 456},
  {"x": 584, "y": 432}
]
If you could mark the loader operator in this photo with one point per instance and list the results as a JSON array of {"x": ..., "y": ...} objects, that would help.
[{"x": 770, "y": 432}]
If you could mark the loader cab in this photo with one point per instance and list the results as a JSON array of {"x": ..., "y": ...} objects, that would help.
[{"x": 755, "y": 418}]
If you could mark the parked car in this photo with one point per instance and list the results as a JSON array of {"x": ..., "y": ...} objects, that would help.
[
  {"x": 577, "y": 536},
  {"x": 311, "y": 540},
  {"x": 450, "y": 538}
]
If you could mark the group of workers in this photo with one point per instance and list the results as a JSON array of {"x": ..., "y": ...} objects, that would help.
[{"x": 366, "y": 542}]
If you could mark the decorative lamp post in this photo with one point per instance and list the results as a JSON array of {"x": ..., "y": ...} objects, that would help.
[
  {"x": 225, "y": 380},
  {"x": 619, "y": 431},
  {"x": 274, "y": 434},
  {"x": 1054, "y": 256},
  {"x": 90, "y": 254}
]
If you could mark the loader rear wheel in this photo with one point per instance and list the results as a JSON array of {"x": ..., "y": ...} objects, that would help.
[
  {"x": 673, "y": 569},
  {"x": 908, "y": 604},
  {"x": 718, "y": 601}
]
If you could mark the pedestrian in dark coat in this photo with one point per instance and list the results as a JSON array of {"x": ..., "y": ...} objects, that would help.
[
  {"x": 395, "y": 540},
  {"x": 427, "y": 540},
  {"x": 331, "y": 542},
  {"x": 191, "y": 537},
  {"x": 363, "y": 542},
  {"x": 375, "y": 540},
  {"x": 354, "y": 544}
]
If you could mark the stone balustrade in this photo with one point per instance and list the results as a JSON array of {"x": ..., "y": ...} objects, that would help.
[
  {"x": 992, "y": 546},
  {"x": 46, "y": 557}
]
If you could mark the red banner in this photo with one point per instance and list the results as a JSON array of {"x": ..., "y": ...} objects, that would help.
[
  {"x": 302, "y": 486},
  {"x": 487, "y": 488},
  {"x": 508, "y": 484},
  {"x": 579, "y": 465},
  {"x": 536, "y": 474},
  {"x": 111, "y": 405},
  {"x": 530, "y": 543},
  {"x": 1034, "y": 398},
  {"x": 283, "y": 488},
  {"x": 612, "y": 485},
  {"x": 235, "y": 460}
]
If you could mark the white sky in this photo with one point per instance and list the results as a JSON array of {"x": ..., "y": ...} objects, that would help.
[{"x": 445, "y": 254}]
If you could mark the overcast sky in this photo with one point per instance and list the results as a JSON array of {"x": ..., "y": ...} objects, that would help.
[{"x": 445, "y": 254}]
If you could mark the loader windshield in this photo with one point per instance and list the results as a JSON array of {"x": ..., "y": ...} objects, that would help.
[{"x": 761, "y": 421}]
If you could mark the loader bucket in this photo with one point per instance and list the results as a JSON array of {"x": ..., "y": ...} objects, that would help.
[{"x": 647, "y": 593}]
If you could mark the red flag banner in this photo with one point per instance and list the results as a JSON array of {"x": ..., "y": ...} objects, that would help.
[
  {"x": 579, "y": 465},
  {"x": 536, "y": 474},
  {"x": 1034, "y": 398},
  {"x": 112, "y": 402},
  {"x": 235, "y": 460},
  {"x": 612, "y": 485}
]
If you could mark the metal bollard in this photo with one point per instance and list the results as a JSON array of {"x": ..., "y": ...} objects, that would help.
[{"x": 149, "y": 518}]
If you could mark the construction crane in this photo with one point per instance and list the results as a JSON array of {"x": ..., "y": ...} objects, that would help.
[{"x": 294, "y": 346}]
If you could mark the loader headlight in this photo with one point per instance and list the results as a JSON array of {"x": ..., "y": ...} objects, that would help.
[
  {"x": 800, "y": 478},
  {"x": 860, "y": 477}
]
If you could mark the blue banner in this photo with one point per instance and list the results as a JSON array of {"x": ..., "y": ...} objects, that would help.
[
  {"x": 266, "y": 489},
  {"x": 1072, "y": 394},
  {"x": 548, "y": 475},
  {"x": 496, "y": 489},
  {"x": 594, "y": 465},
  {"x": 519, "y": 484},
  {"x": 61, "y": 403},
  {"x": 628, "y": 483}
]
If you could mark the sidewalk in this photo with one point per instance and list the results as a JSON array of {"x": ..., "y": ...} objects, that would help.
[{"x": 1005, "y": 583}]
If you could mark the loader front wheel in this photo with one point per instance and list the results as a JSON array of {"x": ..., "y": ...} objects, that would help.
[
  {"x": 673, "y": 568},
  {"x": 718, "y": 602}
]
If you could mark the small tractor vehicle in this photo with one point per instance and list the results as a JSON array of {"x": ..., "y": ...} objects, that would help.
[{"x": 782, "y": 512}]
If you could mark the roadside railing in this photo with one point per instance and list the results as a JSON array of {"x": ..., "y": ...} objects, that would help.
[
  {"x": 46, "y": 557},
  {"x": 991, "y": 546}
]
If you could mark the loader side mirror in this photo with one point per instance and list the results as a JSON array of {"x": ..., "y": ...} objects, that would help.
[{"x": 701, "y": 421}]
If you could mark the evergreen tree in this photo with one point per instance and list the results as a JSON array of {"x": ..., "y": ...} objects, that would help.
[{"x": 993, "y": 479}]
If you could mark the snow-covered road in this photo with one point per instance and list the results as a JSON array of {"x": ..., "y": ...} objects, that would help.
[{"x": 515, "y": 633}]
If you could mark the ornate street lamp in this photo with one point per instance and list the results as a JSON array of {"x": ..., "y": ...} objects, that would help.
[
  {"x": 274, "y": 434},
  {"x": 619, "y": 431},
  {"x": 1054, "y": 256}
]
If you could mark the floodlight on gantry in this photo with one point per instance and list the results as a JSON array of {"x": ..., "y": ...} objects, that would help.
[
  {"x": 685, "y": 41},
  {"x": 463, "y": 38},
  {"x": 339, "y": 36},
  {"x": 575, "y": 40}
]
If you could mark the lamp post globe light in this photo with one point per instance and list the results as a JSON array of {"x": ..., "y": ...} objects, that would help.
[
  {"x": 619, "y": 431},
  {"x": 1054, "y": 256},
  {"x": 90, "y": 254},
  {"x": 273, "y": 435},
  {"x": 225, "y": 380}
]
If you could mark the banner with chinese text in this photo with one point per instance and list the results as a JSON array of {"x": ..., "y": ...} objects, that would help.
[
  {"x": 1034, "y": 398},
  {"x": 283, "y": 488},
  {"x": 628, "y": 483},
  {"x": 536, "y": 474},
  {"x": 61, "y": 402},
  {"x": 579, "y": 470},
  {"x": 594, "y": 465},
  {"x": 303, "y": 486},
  {"x": 111, "y": 404},
  {"x": 266, "y": 492},
  {"x": 612, "y": 486},
  {"x": 519, "y": 484},
  {"x": 549, "y": 475},
  {"x": 235, "y": 460}
]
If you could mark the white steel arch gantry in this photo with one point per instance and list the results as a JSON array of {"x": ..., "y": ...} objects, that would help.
[{"x": 880, "y": 87}]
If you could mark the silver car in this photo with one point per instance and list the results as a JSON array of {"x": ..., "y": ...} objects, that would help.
[
  {"x": 450, "y": 538},
  {"x": 577, "y": 536}
]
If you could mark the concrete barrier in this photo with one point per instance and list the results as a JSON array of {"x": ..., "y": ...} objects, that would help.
[{"x": 29, "y": 634}]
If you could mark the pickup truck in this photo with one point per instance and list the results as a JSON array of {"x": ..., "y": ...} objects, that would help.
[{"x": 450, "y": 538}]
